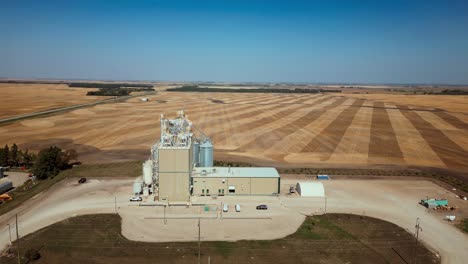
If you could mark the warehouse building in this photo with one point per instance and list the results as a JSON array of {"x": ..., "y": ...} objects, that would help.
[{"x": 230, "y": 181}]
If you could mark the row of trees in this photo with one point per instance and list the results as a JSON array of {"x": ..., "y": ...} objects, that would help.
[
  {"x": 15, "y": 157},
  {"x": 120, "y": 91},
  {"x": 109, "y": 85},
  {"x": 110, "y": 92},
  {"x": 450, "y": 92},
  {"x": 196, "y": 88},
  {"x": 51, "y": 161},
  {"x": 47, "y": 163}
]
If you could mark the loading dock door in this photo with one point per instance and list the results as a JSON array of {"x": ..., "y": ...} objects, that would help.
[{"x": 232, "y": 189}]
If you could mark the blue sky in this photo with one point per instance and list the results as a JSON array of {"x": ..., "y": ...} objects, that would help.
[{"x": 260, "y": 41}]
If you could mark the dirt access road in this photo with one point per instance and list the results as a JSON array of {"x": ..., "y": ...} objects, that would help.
[{"x": 391, "y": 200}]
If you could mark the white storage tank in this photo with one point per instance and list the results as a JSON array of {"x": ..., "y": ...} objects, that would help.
[
  {"x": 137, "y": 186},
  {"x": 145, "y": 191},
  {"x": 148, "y": 172},
  {"x": 206, "y": 154}
]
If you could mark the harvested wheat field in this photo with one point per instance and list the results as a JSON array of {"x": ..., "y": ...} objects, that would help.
[
  {"x": 27, "y": 98},
  {"x": 312, "y": 129}
]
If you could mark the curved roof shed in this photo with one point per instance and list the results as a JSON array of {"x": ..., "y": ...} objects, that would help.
[{"x": 310, "y": 189}]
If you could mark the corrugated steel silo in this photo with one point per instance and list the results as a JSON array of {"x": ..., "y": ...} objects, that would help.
[
  {"x": 196, "y": 153},
  {"x": 206, "y": 154}
]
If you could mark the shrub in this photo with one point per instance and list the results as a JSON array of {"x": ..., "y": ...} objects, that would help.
[{"x": 32, "y": 254}]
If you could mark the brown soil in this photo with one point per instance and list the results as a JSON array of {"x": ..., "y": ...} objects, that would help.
[
  {"x": 448, "y": 151},
  {"x": 329, "y": 138},
  {"x": 383, "y": 142}
]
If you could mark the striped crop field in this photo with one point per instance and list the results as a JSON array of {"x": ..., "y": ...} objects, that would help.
[
  {"x": 20, "y": 99},
  {"x": 321, "y": 129}
]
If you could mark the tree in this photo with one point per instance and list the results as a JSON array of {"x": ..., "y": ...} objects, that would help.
[
  {"x": 48, "y": 164},
  {"x": 5, "y": 156},
  {"x": 14, "y": 155},
  {"x": 27, "y": 158},
  {"x": 2, "y": 155},
  {"x": 32, "y": 254}
]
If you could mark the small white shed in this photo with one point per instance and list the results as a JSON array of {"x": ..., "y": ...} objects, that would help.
[{"x": 310, "y": 189}]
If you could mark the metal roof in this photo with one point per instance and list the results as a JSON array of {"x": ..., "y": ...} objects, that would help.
[
  {"x": 235, "y": 172},
  {"x": 310, "y": 189}
]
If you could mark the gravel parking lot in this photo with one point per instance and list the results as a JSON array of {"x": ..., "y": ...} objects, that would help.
[{"x": 17, "y": 178}]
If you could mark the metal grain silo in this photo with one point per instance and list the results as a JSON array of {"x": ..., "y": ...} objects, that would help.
[
  {"x": 196, "y": 153},
  {"x": 206, "y": 154}
]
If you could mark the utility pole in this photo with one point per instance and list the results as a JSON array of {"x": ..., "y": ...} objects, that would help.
[
  {"x": 115, "y": 204},
  {"x": 17, "y": 240},
  {"x": 416, "y": 234},
  {"x": 325, "y": 204},
  {"x": 9, "y": 230},
  {"x": 199, "y": 240},
  {"x": 165, "y": 214}
]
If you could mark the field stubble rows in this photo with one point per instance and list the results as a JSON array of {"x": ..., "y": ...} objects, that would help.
[{"x": 306, "y": 128}]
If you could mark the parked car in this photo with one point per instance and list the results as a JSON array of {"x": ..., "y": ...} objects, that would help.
[
  {"x": 225, "y": 208},
  {"x": 262, "y": 207},
  {"x": 136, "y": 199},
  {"x": 237, "y": 207},
  {"x": 82, "y": 180}
]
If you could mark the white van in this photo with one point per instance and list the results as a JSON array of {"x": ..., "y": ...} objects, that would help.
[
  {"x": 225, "y": 208},
  {"x": 237, "y": 207}
]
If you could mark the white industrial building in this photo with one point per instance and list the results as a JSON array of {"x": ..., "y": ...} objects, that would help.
[
  {"x": 310, "y": 189},
  {"x": 181, "y": 165},
  {"x": 230, "y": 180}
]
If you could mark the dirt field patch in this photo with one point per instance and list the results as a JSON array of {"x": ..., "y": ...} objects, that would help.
[
  {"x": 448, "y": 151},
  {"x": 383, "y": 142},
  {"x": 325, "y": 143},
  {"x": 267, "y": 140},
  {"x": 453, "y": 120}
]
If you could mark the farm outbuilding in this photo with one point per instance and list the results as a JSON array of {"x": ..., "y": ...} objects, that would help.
[{"x": 310, "y": 189}]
